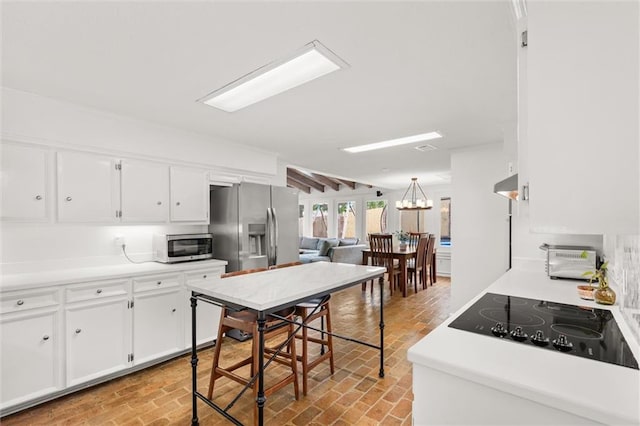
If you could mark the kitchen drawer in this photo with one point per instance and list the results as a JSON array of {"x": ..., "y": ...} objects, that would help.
[
  {"x": 96, "y": 290},
  {"x": 155, "y": 282},
  {"x": 204, "y": 274},
  {"x": 17, "y": 301}
]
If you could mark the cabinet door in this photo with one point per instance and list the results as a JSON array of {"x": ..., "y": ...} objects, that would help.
[
  {"x": 30, "y": 356},
  {"x": 87, "y": 188},
  {"x": 24, "y": 183},
  {"x": 144, "y": 191},
  {"x": 189, "y": 195},
  {"x": 207, "y": 315},
  {"x": 98, "y": 339},
  {"x": 157, "y": 324},
  {"x": 582, "y": 71}
]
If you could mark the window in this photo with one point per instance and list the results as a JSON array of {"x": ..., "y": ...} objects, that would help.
[
  {"x": 347, "y": 219},
  {"x": 301, "y": 220},
  {"x": 319, "y": 215},
  {"x": 445, "y": 221},
  {"x": 413, "y": 221},
  {"x": 376, "y": 219}
]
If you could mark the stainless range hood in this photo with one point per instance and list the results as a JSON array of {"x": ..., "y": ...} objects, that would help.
[{"x": 508, "y": 187}]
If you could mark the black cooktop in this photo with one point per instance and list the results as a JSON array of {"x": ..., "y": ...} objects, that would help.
[{"x": 575, "y": 330}]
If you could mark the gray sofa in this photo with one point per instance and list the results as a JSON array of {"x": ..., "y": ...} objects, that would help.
[{"x": 345, "y": 250}]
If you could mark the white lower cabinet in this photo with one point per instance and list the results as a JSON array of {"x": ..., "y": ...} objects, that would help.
[
  {"x": 97, "y": 330},
  {"x": 207, "y": 315},
  {"x": 157, "y": 317},
  {"x": 60, "y": 337},
  {"x": 443, "y": 263},
  {"x": 31, "y": 361}
]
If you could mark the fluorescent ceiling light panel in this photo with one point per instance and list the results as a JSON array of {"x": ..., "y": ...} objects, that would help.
[
  {"x": 394, "y": 142},
  {"x": 312, "y": 61}
]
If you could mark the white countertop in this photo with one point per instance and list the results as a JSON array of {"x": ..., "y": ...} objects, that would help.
[
  {"x": 269, "y": 289},
  {"x": 35, "y": 275},
  {"x": 596, "y": 390}
]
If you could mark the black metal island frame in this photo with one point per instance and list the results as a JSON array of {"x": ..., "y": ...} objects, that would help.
[{"x": 270, "y": 291}]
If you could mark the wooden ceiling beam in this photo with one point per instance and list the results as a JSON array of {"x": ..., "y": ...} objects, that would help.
[
  {"x": 327, "y": 181},
  {"x": 303, "y": 179},
  {"x": 295, "y": 184},
  {"x": 336, "y": 180},
  {"x": 349, "y": 183}
]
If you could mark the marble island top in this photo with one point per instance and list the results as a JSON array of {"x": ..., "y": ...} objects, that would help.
[{"x": 270, "y": 289}]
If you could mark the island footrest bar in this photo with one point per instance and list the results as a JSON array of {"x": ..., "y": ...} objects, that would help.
[{"x": 261, "y": 399}]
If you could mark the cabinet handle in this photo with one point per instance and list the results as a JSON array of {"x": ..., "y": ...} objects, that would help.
[
  {"x": 177, "y": 203},
  {"x": 68, "y": 198},
  {"x": 159, "y": 282},
  {"x": 204, "y": 276},
  {"x": 173, "y": 310},
  {"x": 38, "y": 197},
  {"x": 78, "y": 330},
  {"x": 99, "y": 291},
  {"x": 45, "y": 337},
  {"x": 159, "y": 203},
  {"x": 20, "y": 302}
]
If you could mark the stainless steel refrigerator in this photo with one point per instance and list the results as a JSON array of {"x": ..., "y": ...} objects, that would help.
[{"x": 254, "y": 225}]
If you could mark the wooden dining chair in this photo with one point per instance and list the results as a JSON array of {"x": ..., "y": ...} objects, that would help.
[
  {"x": 309, "y": 311},
  {"x": 428, "y": 260},
  {"x": 415, "y": 266},
  {"x": 414, "y": 238},
  {"x": 382, "y": 255},
  {"x": 247, "y": 321}
]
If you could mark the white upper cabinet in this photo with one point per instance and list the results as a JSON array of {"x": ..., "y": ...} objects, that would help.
[
  {"x": 189, "y": 195},
  {"x": 25, "y": 194},
  {"x": 144, "y": 191},
  {"x": 582, "y": 90},
  {"x": 87, "y": 188}
]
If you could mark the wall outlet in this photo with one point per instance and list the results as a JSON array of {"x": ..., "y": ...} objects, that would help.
[{"x": 119, "y": 241}]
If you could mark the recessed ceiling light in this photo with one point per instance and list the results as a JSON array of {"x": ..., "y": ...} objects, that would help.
[
  {"x": 394, "y": 142},
  {"x": 427, "y": 147},
  {"x": 312, "y": 61}
]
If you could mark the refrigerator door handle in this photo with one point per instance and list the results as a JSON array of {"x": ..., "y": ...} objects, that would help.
[
  {"x": 269, "y": 238},
  {"x": 275, "y": 235}
]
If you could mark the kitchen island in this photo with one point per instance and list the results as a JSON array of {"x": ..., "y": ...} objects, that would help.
[
  {"x": 461, "y": 377},
  {"x": 267, "y": 292}
]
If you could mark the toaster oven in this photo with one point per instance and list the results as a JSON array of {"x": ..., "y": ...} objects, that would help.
[{"x": 570, "y": 261}]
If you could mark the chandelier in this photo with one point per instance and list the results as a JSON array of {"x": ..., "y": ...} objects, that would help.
[{"x": 413, "y": 202}]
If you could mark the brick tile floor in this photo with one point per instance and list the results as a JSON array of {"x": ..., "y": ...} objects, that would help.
[{"x": 354, "y": 395}]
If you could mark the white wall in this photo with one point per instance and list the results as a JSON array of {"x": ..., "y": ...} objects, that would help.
[
  {"x": 27, "y": 117},
  {"x": 84, "y": 244},
  {"x": 479, "y": 221}
]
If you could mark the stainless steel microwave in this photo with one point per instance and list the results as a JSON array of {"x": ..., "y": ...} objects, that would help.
[{"x": 182, "y": 247}]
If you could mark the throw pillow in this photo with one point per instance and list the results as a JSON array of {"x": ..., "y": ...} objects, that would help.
[
  {"x": 325, "y": 246},
  {"x": 309, "y": 243},
  {"x": 349, "y": 241}
]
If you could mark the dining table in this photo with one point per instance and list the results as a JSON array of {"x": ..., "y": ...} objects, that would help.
[
  {"x": 402, "y": 255},
  {"x": 268, "y": 292}
]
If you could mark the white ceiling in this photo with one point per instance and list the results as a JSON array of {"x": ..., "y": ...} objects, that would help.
[{"x": 415, "y": 67}]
